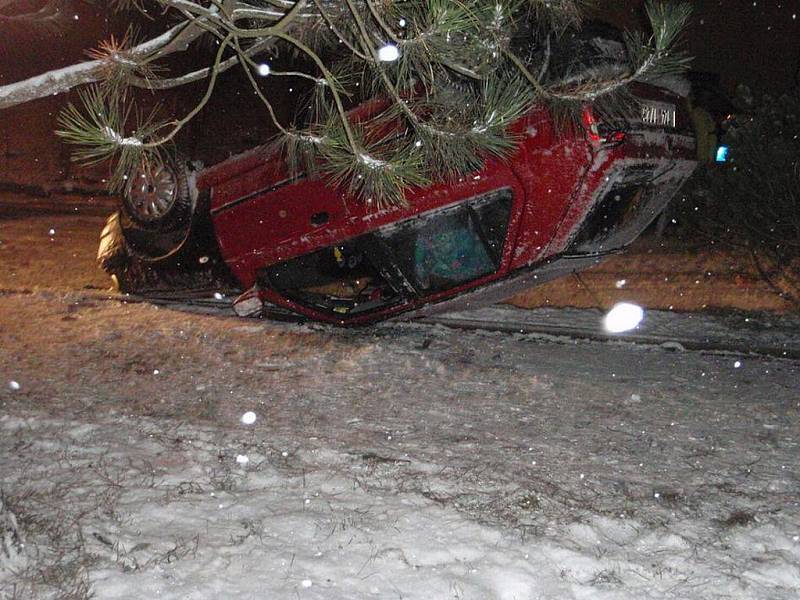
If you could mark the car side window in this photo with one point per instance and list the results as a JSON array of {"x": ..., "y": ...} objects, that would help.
[
  {"x": 446, "y": 248},
  {"x": 423, "y": 255}
]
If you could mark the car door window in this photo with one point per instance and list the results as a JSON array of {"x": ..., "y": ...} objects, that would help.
[
  {"x": 341, "y": 279},
  {"x": 449, "y": 247}
]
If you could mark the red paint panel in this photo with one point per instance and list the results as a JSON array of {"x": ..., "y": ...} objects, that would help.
[
  {"x": 549, "y": 165},
  {"x": 285, "y": 222}
]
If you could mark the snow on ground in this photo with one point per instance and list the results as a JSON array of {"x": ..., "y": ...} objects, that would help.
[{"x": 401, "y": 461}]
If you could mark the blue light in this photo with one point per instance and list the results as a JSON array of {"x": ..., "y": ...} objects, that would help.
[{"x": 722, "y": 154}]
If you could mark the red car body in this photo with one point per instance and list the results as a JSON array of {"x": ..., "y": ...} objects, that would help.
[
  {"x": 563, "y": 201},
  {"x": 566, "y": 198}
]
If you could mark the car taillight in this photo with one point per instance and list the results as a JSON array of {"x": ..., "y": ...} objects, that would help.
[
  {"x": 600, "y": 133},
  {"x": 615, "y": 137},
  {"x": 590, "y": 124}
]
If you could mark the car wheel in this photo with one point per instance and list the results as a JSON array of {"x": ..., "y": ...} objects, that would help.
[
  {"x": 158, "y": 205},
  {"x": 157, "y": 194},
  {"x": 162, "y": 239}
]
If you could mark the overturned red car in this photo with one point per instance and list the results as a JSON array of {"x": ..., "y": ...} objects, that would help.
[{"x": 563, "y": 201}]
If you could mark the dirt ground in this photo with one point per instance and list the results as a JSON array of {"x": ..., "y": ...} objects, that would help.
[
  {"x": 660, "y": 274},
  {"x": 657, "y": 274},
  {"x": 47, "y": 266}
]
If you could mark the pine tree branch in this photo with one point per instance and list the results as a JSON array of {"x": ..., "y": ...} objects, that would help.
[
  {"x": 381, "y": 23},
  {"x": 179, "y": 124},
  {"x": 246, "y": 64},
  {"x": 331, "y": 81},
  {"x": 337, "y": 32},
  {"x": 200, "y": 74},
  {"x": 63, "y": 80},
  {"x": 650, "y": 59}
]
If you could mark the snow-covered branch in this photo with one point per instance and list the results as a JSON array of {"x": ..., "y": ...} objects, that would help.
[{"x": 59, "y": 81}]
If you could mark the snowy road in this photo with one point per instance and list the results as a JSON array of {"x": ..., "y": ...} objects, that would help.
[{"x": 403, "y": 461}]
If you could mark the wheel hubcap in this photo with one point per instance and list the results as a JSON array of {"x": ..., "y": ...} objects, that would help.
[{"x": 151, "y": 192}]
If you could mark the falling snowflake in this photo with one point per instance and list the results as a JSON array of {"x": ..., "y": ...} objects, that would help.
[
  {"x": 623, "y": 317},
  {"x": 388, "y": 53}
]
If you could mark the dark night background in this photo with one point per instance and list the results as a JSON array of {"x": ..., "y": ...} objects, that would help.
[
  {"x": 752, "y": 42},
  {"x": 756, "y": 43}
]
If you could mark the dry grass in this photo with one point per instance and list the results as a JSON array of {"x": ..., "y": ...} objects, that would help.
[
  {"x": 663, "y": 275},
  {"x": 54, "y": 563},
  {"x": 658, "y": 274}
]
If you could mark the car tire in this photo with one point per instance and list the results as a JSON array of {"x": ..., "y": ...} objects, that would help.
[
  {"x": 167, "y": 247},
  {"x": 157, "y": 195},
  {"x": 158, "y": 208}
]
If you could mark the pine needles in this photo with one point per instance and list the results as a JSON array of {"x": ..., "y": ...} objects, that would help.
[
  {"x": 447, "y": 75},
  {"x": 98, "y": 127}
]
